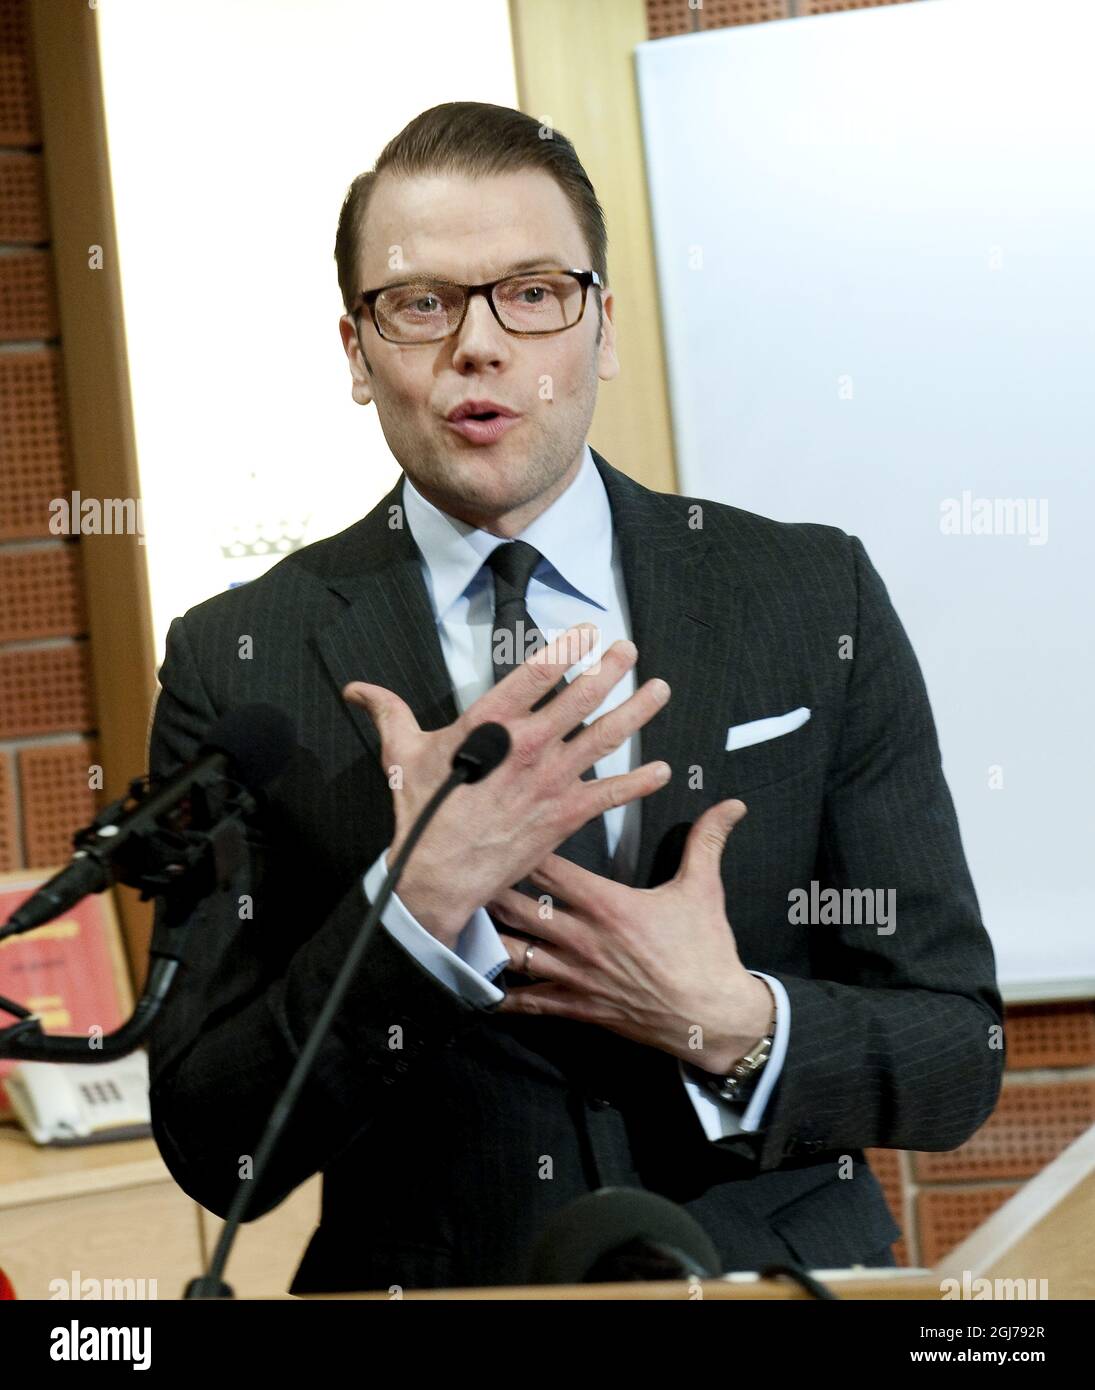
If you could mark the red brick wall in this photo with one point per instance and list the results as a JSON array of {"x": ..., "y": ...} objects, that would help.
[
  {"x": 665, "y": 17},
  {"x": 47, "y": 715}
]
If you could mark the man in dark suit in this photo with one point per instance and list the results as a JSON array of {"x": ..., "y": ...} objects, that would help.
[{"x": 649, "y": 1011}]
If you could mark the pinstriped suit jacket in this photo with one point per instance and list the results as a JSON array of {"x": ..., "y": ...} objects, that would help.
[{"x": 442, "y": 1158}]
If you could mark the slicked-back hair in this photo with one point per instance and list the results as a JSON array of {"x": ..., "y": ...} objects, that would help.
[{"x": 476, "y": 139}]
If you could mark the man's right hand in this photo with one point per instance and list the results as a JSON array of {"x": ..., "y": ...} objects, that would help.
[{"x": 489, "y": 835}]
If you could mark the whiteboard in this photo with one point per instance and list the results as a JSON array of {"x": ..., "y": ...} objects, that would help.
[{"x": 875, "y": 235}]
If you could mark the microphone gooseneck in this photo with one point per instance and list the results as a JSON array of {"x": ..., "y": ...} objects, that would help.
[{"x": 478, "y": 756}]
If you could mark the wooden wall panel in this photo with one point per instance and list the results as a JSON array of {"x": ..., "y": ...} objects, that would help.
[{"x": 575, "y": 66}]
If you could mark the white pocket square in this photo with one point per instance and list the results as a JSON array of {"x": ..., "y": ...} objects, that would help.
[{"x": 758, "y": 730}]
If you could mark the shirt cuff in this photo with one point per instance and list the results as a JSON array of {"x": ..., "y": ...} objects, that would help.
[
  {"x": 721, "y": 1118},
  {"x": 467, "y": 971}
]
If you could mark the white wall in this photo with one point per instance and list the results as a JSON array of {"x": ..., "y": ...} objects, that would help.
[
  {"x": 875, "y": 234},
  {"x": 234, "y": 129}
]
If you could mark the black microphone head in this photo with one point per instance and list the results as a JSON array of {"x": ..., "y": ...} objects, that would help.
[
  {"x": 578, "y": 1242},
  {"x": 257, "y": 739},
  {"x": 482, "y": 751}
]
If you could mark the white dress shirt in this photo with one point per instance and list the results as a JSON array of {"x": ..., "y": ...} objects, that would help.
[{"x": 579, "y": 579}]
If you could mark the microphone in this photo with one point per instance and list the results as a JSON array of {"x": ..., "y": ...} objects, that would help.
[
  {"x": 183, "y": 839},
  {"x": 480, "y": 753},
  {"x": 250, "y": 744},
  {"x": 622, "y": 1234}
]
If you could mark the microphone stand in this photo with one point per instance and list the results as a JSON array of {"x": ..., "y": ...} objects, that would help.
[{"x": 211, "y": 1284}]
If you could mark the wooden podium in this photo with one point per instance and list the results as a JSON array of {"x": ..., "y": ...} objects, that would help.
[
  {"x": 91, "y": 1209},
  {"x": 1042, "y": 1234}
]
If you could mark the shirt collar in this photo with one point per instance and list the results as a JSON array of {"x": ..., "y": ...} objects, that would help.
[{"x": 574, "y": 535}]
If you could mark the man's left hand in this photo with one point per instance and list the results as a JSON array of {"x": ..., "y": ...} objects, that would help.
[{"x": 657, "y": 965}]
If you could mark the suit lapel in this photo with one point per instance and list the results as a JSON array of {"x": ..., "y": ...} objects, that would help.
[
  {"x": 686, "y": 618},
  {"x": 387, "y": 634}
]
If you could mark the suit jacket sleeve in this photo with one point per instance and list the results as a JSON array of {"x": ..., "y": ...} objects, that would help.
[
  {"x": 898, "y": 1038},
  {"x": 249, "y": 992}
]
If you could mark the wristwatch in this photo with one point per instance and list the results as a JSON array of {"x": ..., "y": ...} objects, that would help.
[
  {"x": 742, "y": 1077},
  {"x": 743, "y": 1074}
]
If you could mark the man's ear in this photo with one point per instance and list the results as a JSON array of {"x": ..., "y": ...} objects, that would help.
[
  {"x": 362, "y": 388},
  {"x": 608, "y": 364}
]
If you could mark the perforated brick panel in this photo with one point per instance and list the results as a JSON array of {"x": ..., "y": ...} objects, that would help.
[
  {"x": 1029, "y": 1128},
  {"x": 1050, "y": 1035},
  {"x": 886, "y": 1166},
  {"x": 27, "y": 309},
  {"x": 57, "y": 800},
  {"x": 665, "y": 17},
  {"x": 41, "y": 594},
  {"x": 721, "y": 14},
  {"x": 18, "y": 108},
  {"x": 33, "y": 442},
  {"x": 9, "y": 848},
  {"x": 947, "y": 1218},
  {"x": 832, "y": 6},
  {"x": 22, "y": 198},
  {"x": 45, "y": 690}
]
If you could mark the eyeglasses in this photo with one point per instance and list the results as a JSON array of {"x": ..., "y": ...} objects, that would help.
[{"x": 426, "y": 310}]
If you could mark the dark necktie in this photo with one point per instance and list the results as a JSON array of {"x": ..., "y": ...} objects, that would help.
[
  {"x": 592, "y": 1055},
  {"x": 514, "y": 638}
]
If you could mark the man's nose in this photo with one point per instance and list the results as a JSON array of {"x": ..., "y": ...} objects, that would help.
[{"x": 482, "y": 341}]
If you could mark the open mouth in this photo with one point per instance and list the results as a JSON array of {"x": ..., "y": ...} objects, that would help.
[{"x": 482, "y": 426}]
